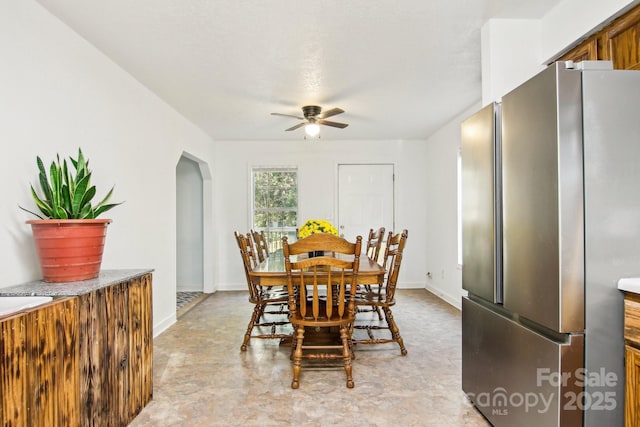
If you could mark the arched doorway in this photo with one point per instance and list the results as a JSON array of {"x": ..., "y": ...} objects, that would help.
[{"x": 193, "y": 237}]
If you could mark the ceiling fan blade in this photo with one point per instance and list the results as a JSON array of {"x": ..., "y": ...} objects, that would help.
[
  {"x": 287, "y": 115},
  {"x": 299, "y": 125},
  {"x": 333, "y": 124},
  {"x": 330, "y": 113}
]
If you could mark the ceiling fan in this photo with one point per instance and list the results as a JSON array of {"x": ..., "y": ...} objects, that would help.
[{"x": 313, "y": 117}]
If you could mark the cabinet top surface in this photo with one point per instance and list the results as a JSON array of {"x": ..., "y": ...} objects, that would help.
[
  {"x": 40, "y": 288},
  {"x": 629, "y": 284}
]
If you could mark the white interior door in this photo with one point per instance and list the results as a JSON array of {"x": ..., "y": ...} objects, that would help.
[{"x": 365, "y": 199}]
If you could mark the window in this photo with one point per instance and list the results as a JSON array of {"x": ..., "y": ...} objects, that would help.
[{"x": 275, "y": 204}]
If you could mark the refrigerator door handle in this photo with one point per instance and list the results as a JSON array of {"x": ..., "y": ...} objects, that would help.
[{"x": 497, "y": 155}]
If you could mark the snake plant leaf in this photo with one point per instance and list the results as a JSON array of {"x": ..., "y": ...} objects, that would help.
[
  {"x": 87, "y": 212},
  {"x": 61, "y": 213},
  {"x": 55, "y": 184},
  {"x": 42, "y": 205},
  {"x": 86, "y": 198},
  {"x": 31, "y": 212},
  {"x": 105, "y": 208},
  {"x": 65, "y": 200},
  {"x": 80, "y": 175},
  {"x": 81, "y": 163},
  {"x": 44, "y": 186},
  {"x": 79, "y": 194},
  {"x": 67, "y": 178},
  {"x": 81, "y": 166},
  {"x": 106, "y": 198},
  {"x": 44, "y": 182}
]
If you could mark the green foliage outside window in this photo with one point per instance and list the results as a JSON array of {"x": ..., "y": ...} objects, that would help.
[{"x": 275, "y": 203}]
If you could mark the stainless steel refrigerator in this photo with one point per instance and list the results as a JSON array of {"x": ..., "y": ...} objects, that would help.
[{"x": 551, "y": 221}]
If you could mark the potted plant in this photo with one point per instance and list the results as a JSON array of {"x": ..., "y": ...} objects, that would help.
[{"x": 69, "y": 237}]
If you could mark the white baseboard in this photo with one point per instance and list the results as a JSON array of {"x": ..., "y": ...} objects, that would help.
[
  {"x": 454, "y": 300},
  {"x": 232, "y": 286},
  {"x": 163, "y": 325},
  {"x": 411, "y": 285}
]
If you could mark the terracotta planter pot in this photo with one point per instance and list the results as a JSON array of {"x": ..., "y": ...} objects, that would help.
[{"x": 69, "y": 249}]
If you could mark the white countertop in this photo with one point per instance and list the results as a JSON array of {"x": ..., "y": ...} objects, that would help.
[
  {"x": 629, "y": 284},
  {"x": 11, "y": 305}
]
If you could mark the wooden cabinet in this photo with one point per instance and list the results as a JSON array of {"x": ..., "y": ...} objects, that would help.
[
  {"x": 586, "y": 51},
  {"x": 623, "y": 41},
  {"x": 618, "y": 42},
  {"x": 632, "y": 359},
  {"x": 79, "y": 361}
]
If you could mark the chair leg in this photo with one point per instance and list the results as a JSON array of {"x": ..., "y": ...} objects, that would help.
[
  {"x": 297, "y": 357},
  {"x": 254, "y": 319},
  {"x": 346, "y": 355},
  {"x": 395, "y": 332},
  {"x": 350, "y": 330},
  {"x": 375, "y": 308},
  {"x": 261, "y": 308}
]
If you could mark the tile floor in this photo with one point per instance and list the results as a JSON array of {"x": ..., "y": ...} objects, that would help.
[
  {"x": 185, "y": 301},
  {"x": 201, "y": 378},
  {"x": 183, "y": 298}
]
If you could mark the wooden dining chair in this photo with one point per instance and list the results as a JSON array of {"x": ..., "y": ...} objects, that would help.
[
  {"x": 251, "y": 250},
  {"x": 271, "y": 301},
  {"x": 374, "y": 243},
  {"x": 261, "y": 246},
  {"x": 321, "y": 295},
  {"x": 384, "y": 297}
]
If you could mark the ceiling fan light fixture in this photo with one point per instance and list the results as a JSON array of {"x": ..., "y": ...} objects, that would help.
[
  {"x": 312, "y": 118},
  {"x": 312, "y": 129}
]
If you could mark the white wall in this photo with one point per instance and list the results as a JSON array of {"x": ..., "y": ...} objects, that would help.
[
  {"x": 442, "y": 226},
  {"x": 317, "y": 172},
  {"x": 504, "y": 66},
  {"x": 58, "y": 94}
]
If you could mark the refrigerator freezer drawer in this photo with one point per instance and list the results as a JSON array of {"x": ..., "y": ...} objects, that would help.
[{"x": 517, "y": 377}]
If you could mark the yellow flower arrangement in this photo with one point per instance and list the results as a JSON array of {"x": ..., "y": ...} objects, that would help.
[{"x": 313, "y": 226}]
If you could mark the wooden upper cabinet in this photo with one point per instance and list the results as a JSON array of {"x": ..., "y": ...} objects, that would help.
[
  {"x": 618, "y": 42},
  {"x": 586, "y": 51},
  {"x": 623, "y": 41}
]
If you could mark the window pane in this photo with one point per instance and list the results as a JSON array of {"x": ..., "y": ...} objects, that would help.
[
  {"x": 260, "y": 219},
  {"x": 260, "y": 199},
  {"x": 291, "y": 219}
]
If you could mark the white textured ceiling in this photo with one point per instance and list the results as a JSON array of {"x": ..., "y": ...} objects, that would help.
[{"x": 400, "y": 69}]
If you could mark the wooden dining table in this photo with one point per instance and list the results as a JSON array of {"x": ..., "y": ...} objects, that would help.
[{"x": 272, "y": 272}]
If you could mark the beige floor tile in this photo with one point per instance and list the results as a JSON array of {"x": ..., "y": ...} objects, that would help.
[{"x": 201, "y": 378}]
